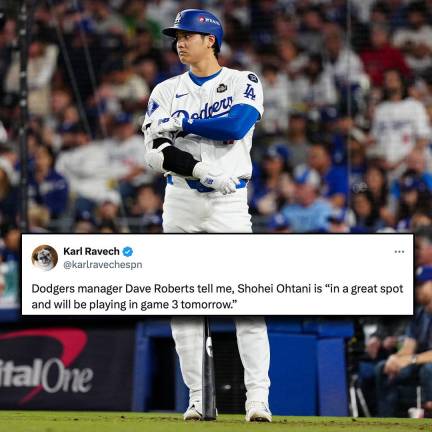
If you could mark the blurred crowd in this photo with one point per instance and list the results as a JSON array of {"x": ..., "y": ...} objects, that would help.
[{"x": 344, "y": 144}]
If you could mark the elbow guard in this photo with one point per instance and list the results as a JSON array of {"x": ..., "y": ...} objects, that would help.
[
  {"x": 155, "y": 157},
  {"x": 178, "y": 161},
  {"x": 164, "y": 157}
]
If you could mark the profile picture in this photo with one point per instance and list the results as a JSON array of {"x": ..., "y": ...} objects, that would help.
[{"x": 44, "y": 257}]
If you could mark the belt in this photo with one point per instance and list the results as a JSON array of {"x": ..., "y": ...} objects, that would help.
[{"x": 199, "y": 187}]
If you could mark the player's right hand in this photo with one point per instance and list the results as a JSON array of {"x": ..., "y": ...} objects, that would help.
[{"x": 215, "y": 178}]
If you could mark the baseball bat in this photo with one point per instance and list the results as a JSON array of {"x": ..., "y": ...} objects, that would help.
[{"x": 208, "y": 376}]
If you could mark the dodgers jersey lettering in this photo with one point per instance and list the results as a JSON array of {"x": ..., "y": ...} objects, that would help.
[{"x": 181, "y": 97}]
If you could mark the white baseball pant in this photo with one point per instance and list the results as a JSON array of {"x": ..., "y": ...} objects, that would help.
[{"x": 189, "y": 211}]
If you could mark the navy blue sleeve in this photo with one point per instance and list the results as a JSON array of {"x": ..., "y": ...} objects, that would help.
[{"x": 233, "y": 127}]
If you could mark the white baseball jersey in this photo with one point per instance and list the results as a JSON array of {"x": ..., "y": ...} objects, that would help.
[
  {"x": 181, "y": 97},
  {"x": 397, "y": 126}
]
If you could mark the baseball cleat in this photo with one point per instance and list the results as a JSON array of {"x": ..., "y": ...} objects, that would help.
[
  {"x": 192, "y": 413},
  {"x": 258, "y": 412}
]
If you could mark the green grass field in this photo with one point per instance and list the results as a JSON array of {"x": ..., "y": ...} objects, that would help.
[{"x": 44, "y": 421}]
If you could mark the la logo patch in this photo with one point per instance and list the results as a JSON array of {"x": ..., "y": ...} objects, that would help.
[
  {"x": 249, "y": 93},
  {"x": 221, "y": 88}
]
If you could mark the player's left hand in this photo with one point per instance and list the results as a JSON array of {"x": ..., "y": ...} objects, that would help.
[
  {"x": 171, "y": 124},
  {"x": 211, "y": 176}
]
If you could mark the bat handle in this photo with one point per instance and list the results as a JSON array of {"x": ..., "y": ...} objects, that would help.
[
  {"x": 206, "y": 327},
  {"x": 208, "y": 376}
]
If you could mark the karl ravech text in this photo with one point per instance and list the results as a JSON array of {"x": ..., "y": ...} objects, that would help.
[{"x": 90, "y": 251}]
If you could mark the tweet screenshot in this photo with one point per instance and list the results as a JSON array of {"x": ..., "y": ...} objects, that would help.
[{"x": 210, "y": 274}]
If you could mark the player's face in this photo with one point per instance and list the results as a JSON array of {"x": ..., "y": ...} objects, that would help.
[{"x": 191, "y": 47}]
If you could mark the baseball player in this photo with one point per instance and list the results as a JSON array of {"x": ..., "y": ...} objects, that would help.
[{"x": 198, "y": 132}]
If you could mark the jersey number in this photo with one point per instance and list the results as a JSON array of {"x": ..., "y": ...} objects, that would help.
[{"x": 249, "y": 93}]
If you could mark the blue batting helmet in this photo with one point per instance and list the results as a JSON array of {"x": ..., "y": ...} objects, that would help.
[{"x": 196, "y": 21}]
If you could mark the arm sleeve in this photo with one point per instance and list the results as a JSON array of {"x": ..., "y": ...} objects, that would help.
[
  {"x": 233, "y": 127},
  {"x": 247, "y": 108}
]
